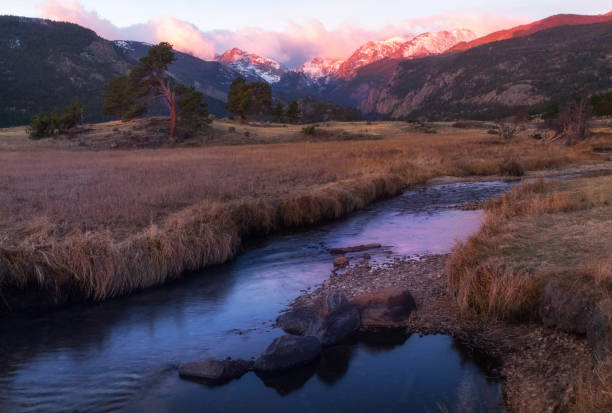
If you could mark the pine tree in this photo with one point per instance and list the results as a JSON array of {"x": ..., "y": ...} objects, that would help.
[
  {"x": 293, "y": 112},
  {"x": 261, "y": 96},
  {"x": 149, "y": 79},
  {"x": 119, "y": 98},
  {"x": 249, "y": 98},
  {"x": 193, "y": 110},
  {"x": 278, "y": 112},
  {"x": 238, "y": 97}
]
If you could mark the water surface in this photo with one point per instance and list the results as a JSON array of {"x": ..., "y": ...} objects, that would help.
[{"x": 122, "y": 355}]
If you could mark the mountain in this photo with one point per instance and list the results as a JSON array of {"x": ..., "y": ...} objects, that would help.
[
  {"x": 425, "y": 44},
  {"x": 320, "y": 68},
  {"x": 251, "y": 65},
  {"x": 533, "y": 69},
  {"x": 45, "y": 64},
  {"x": 428, "y": 44},
  {"x": 531, "y": 28},
  {"x": 370, "y": 53}
]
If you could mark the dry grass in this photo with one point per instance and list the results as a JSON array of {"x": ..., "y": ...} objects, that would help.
[
  {"x": 536, "y": 229},
  {"x": 104, "y": 223},
  {"x": 536, "y": 232}
]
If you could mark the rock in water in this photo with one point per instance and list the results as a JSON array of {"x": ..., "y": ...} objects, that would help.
[
  {"x": 216, "y": 370},
  {"x": 287, "y": 352},
  {"x": 331, "y": 319},
  {"x": 298, "y": 320},
  {"x": 385, "y": 308},
  {"x": 341, "y": 262},
  {"x": 338, "y": 325},
  {"x": 354, "y": 249}
]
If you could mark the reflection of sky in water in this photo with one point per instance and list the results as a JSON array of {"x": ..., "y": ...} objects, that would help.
[{"x": 100, "y": 357}]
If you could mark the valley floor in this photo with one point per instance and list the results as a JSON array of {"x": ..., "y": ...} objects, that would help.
[{"x": 77, "y": 223}]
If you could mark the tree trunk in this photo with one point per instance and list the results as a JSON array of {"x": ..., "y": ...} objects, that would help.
[
  {"x": 171, "y": 101},
  {"x": 173, "y": 117}
]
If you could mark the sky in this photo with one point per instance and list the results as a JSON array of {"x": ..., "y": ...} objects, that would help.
[{"x": 289, "y": 31}]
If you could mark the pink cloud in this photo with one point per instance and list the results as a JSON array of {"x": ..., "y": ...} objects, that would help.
[
  {"x": 74, "y": 12},
  {"x": 296, "y": 43}
]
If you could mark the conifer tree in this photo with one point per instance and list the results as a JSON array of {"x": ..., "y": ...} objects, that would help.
[{"x": 293, "y": 112}]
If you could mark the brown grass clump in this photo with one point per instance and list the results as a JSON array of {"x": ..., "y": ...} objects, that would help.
[
  {"x": 97, "y": 224},
  {"x": 593, "y": 389},
  {"x": 490, "y": 272}
]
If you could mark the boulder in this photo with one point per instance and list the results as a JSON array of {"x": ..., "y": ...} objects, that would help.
[
  {"x": 341, "y": 262},
  {"x": 599, "y": 330},
  {"x": 287, "y": 352},
  {"x": 331, "y": 319},
  {"x": 565, "y": 308},
  {"x": 385, "y": 308},
  {"x": 298, "y": 320},
  {"x": 338, "y": 325},
  {"x": 216, "y": 370}
]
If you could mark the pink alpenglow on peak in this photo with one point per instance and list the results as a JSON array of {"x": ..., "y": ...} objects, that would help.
[
  {"x": 249, "y": 64},
  {"x": 320, "y": 67}
]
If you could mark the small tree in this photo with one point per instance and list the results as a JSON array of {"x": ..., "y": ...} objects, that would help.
[
  {"x": 192, "y": 108},
  {"x": 574, "y": 118},
  {"x": 602, "y": 104},
  {"x": 293, "y": 112},
  {"x": 44, "y": 125},
  {"x": 508, "y": 126},
  {"x": 120, "y": 99},
  {"x": 72, "y": 115},
  {"x": 249, "y": 98},
  {"x": 278, "y": 112},
  {"x": 238, "y": 97},
  {"x": 262, "y": 98}
]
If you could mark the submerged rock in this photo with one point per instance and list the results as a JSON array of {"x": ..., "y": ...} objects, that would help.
[
  {"x": 385, "y": 308},
  {"x": 287, "y": 352},
  {"x": 341, "y": 262},
  {"x": 216, "y": 370},
  {"x": 356, "y": 248}
]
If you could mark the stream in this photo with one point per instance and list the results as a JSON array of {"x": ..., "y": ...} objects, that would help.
[{"x": 122, "y": 355}]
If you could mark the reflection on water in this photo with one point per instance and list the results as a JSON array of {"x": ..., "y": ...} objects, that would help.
[
  {"x": 409, "y": 374},
  {"x": 124, "y": 353}
]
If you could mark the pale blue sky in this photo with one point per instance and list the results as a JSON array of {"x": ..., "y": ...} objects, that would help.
[{"x": 273, "y": 15}]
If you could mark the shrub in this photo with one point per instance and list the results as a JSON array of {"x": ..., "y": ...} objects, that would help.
[
  {"x": 44, "y": 125},
  {"x": 512, "y": 168},
  {"x": 309, "y": 130}
]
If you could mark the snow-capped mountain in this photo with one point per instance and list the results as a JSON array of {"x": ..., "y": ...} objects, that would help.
[
  {"x": 425, "y": 44},
  {"x": 428, "y": 44},
  {"x": 320, "y": 67},
  {"x": 249, "y": 64},
  {"x": 369, "y": 53}
]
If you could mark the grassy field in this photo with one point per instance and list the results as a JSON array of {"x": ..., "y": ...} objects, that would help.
[
  {"x": 100, "y": 223},
  {"x": 545, "y": 235}
]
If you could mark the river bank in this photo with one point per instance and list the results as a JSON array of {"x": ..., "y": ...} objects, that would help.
[
  {"x": 93, "y": 225},
  {"x": 538, "y": 365},
  {"x": 536, "y": 330}
]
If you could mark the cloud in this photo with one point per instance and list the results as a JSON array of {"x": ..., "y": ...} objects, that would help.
[{"x": 295, "y": 44}]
